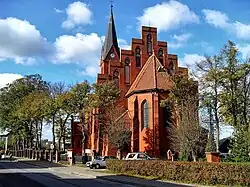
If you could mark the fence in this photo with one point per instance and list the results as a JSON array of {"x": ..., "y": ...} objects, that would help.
[{"x": 45, "y": 155}]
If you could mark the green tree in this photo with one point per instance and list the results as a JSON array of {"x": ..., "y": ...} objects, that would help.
[
  {"x": 210, "y": 77},
  {"x": 102, "y": 97},
  {"x": 117, "y": 129},
  {"x": 187, "y": 135},
  {"x": 32, "y": 111},
  {"x": 11, "y": 99},
  {"x": 235, "y": 100}
]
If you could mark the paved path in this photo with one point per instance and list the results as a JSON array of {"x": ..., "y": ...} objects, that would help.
[{"x": 19, "y": 174}]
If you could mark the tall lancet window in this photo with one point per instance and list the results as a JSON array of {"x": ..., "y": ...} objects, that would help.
[
  {"x": 116, "y": 78},
  {"x": 171, "y": 68},
  {"x": 127, "y": 71},
  {"x": 149, "y": 44},
  {"x": 160, "y": 55},
  {"x": 144, "y": 115},
  {"x": 138, "y": 57}
]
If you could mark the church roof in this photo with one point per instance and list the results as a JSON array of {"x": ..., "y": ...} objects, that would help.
[
  {"x": 153, "y": 76},
  {"x": 111, "y": 37}
]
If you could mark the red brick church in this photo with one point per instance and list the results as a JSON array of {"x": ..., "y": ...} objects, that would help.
[{"x": 143, "y": 74}]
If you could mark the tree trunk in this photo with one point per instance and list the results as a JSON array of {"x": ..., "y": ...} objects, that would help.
[
  {"x": 217, "y": 121},
  {"x": 30, "y": 136},
  {"x": 59, "y": 143},
  {"x": 64, "y": 143},
  {"x": 37, "y": 135},
  {"x": 53, "y": 130},
  {"x": 41, "y": 131}
]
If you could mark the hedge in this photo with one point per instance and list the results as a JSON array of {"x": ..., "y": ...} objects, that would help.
[{"x": 189, "y": 172}]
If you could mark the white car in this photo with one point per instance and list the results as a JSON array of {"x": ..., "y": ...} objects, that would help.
[
  {"x": 137, "y": 156},
  {"x": 99, "y": 162},
  {"x": 4, "y": 157},
  {"x": 88, "y": 163}
]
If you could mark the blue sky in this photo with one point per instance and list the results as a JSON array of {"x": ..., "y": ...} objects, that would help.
[{"x": 62, "y": 39}]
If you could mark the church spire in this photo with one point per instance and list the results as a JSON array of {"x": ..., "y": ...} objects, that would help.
[{"x": 111, "y": 38}]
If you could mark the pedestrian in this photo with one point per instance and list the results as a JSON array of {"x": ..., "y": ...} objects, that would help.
[{"x": 169, "y": 155}]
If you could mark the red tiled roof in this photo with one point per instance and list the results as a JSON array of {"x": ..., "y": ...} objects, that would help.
[{"x": 153, "y": 75}]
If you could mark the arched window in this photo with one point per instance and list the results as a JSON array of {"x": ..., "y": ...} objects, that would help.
[
  {"x": 160, "y": 55},
  {"x": 116, "y": 78},
  {"x": 149, "y": 44},
  {"x": 144, "y": 114},
  {"x": 167, "y": 116},
  {"x": 171, "y": 68},
  {"x": 160, "y": 52},
  {"x": 127, "y": 71},
  {"x": 138, "y": 57}
]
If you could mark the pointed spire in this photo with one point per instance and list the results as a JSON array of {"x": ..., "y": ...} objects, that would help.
[{"x": 111, "y": 38}]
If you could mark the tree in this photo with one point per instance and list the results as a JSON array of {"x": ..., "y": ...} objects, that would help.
[
  {"x": 210, "y": 70},
  {"x": 80, "y": 95},
  {"x": 103, "y": 95},
  {"x": 116, "y": 128},
  {"x": 187, "y": 135},
  {"x": 32, "y": 111},
  {"x": 235, "y": 99},
  {"x": 54, "y": 105},
  {"x": 11, "y": 98}
]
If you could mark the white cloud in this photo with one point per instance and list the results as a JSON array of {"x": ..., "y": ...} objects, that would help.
[
  {"x": 182, "y": 37},
  {"x": 168, "y": 15},
  {"x": 221, "y": 20},
  {"x": 123, "y": 44},
  {"x": 90, "y": 71},
  {"x": 21, "y": 41},
  {"x": 179, "y": 40},
  {"x": 6, "y": 78},
  {"x": 78, "y": 13},
  {"x": 81, "y": 49},
  {"x": 58, "y": 10},
  {"x": 216, "y": 18},
  {"x": 189, "y": 60},
  {"x": 245, "y": 50}
]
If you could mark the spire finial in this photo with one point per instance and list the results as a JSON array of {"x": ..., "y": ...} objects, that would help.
[{"x": 111, "y": 5}]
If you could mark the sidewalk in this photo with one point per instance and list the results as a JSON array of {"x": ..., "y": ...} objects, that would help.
[{"x": 100, "y": 174}]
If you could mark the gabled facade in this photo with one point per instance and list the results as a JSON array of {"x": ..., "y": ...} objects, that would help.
[{"x": 143, "y": 74}]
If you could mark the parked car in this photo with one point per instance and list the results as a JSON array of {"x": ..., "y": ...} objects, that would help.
[
  {"x": 137, "y": 156},
  {"x": 100, "y": 162},
  {"x": 89, "y": 163},
  {"x": 6, "y": 157}
]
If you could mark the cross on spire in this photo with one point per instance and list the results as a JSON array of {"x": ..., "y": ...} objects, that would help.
[{"x": 111, "y": 4}]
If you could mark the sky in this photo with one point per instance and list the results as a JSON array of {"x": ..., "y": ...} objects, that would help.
[{"x": 62, "y": 39}]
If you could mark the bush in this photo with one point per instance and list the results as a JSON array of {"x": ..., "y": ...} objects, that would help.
[{"x": 189, "y": 172}]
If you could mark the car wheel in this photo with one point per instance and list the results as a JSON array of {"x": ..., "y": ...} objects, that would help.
[{"x": 97, "y": 166}]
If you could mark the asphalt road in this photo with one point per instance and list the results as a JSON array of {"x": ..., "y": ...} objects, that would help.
[{"x": 17, "y": 174}]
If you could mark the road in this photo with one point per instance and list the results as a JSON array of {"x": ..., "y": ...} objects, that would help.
[{"x": 18, "y": 174}]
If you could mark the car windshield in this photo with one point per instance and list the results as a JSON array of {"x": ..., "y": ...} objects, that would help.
[{"x": 98, "y": 158}]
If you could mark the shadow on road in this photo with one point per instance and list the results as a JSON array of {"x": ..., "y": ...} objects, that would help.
[
  {"x": 26, "y": 164},
  {"x": 29, "y": 178},
  {"x": 50, "y": 180}
]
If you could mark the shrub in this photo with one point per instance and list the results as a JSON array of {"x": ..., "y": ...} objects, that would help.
[{"x": 190, "y": 172}]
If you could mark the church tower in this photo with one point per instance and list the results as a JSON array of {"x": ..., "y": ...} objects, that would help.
[
  {"x": 110, "y": 49},
  {"x": 143, "y": 73}
]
